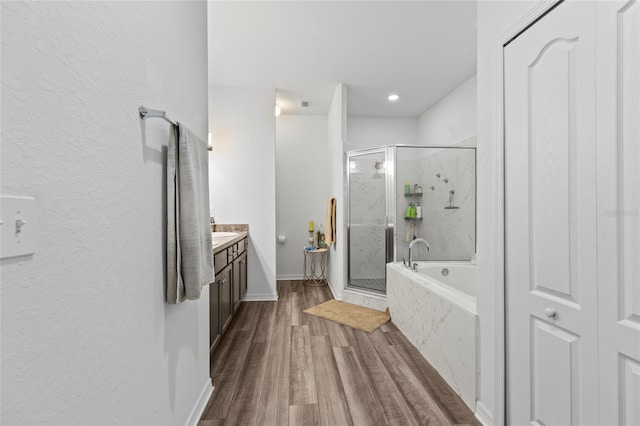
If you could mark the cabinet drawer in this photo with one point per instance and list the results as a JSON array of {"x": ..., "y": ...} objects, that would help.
[
  {"x": 242, "y": 246},
  {"x": 234, "y": 252},
  {"x": 220, "y": 260}
]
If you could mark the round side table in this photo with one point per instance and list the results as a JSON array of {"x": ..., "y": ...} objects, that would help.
[{"x": 314, "y": 278}]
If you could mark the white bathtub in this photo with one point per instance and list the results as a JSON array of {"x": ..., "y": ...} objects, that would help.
[{"x": 438, "y": 314}]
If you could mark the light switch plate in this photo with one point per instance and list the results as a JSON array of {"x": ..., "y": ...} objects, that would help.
[{"x": 17, "y": 226}]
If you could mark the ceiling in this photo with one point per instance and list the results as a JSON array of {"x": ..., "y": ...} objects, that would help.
[{"x": 420, "y": 50}]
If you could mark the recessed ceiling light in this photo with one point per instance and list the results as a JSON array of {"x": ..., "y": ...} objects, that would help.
[{"x": 393, "y": 97}]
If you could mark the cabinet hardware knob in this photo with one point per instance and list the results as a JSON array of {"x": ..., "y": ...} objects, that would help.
[{"x": 551, "y": 313}]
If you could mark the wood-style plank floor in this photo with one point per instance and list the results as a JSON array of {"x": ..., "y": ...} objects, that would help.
[{"x": 279, "y": 366}]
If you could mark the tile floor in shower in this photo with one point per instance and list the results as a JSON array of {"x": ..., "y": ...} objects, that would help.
[{"x": 374, "y": 284}]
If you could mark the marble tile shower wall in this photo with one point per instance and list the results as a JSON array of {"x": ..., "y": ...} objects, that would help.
[
  {"x": 451, "y": 233},
  {"x": 367, "y": 221}
]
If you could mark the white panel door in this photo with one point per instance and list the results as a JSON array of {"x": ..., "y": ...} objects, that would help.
[
  {"x": 550, "y": 220},
  {"x": 618, "y": 118}
]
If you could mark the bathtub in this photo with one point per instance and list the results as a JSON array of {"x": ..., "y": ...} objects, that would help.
[{"x": 437, "y": 312}]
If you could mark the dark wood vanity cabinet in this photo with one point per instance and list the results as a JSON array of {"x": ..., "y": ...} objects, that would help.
[
  {"x": 224, "y": 283},
  {"x": 228, "y": 289},
  {"x": 214, "y": 317},
  {"x": 240, "y": 277}
]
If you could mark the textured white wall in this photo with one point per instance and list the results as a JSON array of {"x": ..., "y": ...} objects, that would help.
[
  {"x": 452, "y": 119},
  {"x": 242, "y": 176},
  {"x": 337, "y": 130},
  {"x": 86, "y": 335},
  {"x": 494, "y": 17},
  {"x": 302, "y": 186},
  {"x": 373, "y": 132}
]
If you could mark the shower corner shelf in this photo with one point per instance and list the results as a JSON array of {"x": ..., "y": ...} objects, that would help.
[
  {"x": 413, "y": 194},
  {"x": 417, "y": 219}
]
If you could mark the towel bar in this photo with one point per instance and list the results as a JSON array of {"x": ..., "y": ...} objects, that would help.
[{"x": 156, "y": 113}]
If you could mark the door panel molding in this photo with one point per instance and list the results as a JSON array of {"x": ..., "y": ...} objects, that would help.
[
  {"x": 629, "y": 389},
  {"x": 552, "y": 169},
  {"x": 628, "y": 135},
  {"x": 556, "y": 388}
]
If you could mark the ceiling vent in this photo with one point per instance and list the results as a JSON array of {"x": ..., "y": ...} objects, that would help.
[{"x": 304, "y": 104}]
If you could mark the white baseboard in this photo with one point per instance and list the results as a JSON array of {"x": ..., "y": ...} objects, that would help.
[
  {"x": 201, "y": 403},
  {"x": 336, "y": 294},
  {"x": 483, "y": 414},
  {"x": 257, "y": 297},
  {"x": 290, "y": 277}
]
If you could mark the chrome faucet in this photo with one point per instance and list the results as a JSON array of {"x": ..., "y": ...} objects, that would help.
[{"x": 417, "y": 240}]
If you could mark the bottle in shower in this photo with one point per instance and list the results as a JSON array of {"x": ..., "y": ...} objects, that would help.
[
  {"x": 407, "y": 214},
  {"x": 418, "y": 211}
]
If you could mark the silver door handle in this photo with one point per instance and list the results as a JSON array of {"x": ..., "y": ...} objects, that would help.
[{"x": 551, "y": 313}]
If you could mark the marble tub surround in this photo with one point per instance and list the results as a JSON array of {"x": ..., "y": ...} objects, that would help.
[
  {"x": 444, "y": 331},
  {"x": 451, "y": 233},
  {"x": 365, "y": 298}
]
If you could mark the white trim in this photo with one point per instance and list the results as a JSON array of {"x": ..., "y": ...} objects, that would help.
[
  {"x": 364, "y": 298},
  {"x": 497, "y": 91},
  {"x": 336, "y": 294},
  {"x": 365, "y": 293},
  {"x": 288, "y": 277},
  {"x": 483, "y": 414},
  {"x": 258, "y": 297},
  {"x": 200, "y": 405}
]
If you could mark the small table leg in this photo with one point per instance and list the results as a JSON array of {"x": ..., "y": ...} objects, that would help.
[{"x": 313, "y": 278}]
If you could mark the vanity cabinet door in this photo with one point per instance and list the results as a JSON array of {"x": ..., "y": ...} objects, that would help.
[
  {"x": 237, "y": 296},
  {"x": 239, "y": 279},
  {"x": 243, "y": 274},
  {"x": 223, "y": 281},
  {"x": 214, "y": 315}
]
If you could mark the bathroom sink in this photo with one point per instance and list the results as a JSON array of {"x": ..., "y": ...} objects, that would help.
[
  {"x": 224, "y": 234},
  {"x": 218, "y": 238}
]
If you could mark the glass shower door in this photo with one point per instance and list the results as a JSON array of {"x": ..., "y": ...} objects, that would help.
[{"x": 370, "y": 232}]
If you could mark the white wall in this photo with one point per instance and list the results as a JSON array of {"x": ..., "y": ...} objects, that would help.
[
  {"x": 372, "y": 132},
  {"x": 337, "y": 130},
  {"x": 86, "y": 335},
  {"x": 302, "y": 187},
  {"x": 494, "y": 18},
  {"x": 242, "y": 176},
  {"x": 452, "y": 119}
]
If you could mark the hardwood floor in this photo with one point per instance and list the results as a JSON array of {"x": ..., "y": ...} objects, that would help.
[{"x": 279, "y": 366}]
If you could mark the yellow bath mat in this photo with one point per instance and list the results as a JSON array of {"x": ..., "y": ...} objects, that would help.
[{"x": 354, "y": 316}]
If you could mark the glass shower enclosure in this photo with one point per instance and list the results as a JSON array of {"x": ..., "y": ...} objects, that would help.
[
  {"x": 384, "y": 184},
  {"x": 370, "y": 217}
]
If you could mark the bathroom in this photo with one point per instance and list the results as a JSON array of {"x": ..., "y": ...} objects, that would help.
[{"x": 86, "y": 334}]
